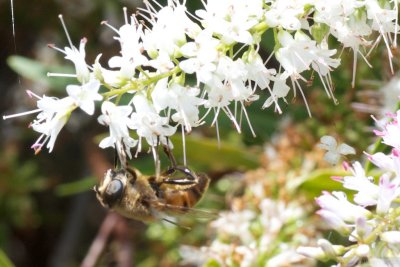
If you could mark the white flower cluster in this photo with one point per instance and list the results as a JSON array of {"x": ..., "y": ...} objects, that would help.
[
  {"x": 371, "y": 220},
  {"x": 162, "y": 48},
  {"x": 263, "y": 232}
]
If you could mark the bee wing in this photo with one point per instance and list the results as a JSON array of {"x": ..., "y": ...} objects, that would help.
[{"x": 162, "y": 209}]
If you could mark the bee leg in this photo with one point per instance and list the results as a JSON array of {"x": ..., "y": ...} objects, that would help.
[
  {"x": 133, "y": 173},
  {"x": 171, "y": 157},
  {"x": 156, "y": 155},
  {"x": 120, "y": 154},
  {"x": 179, "y": 182},
  {"x": 115, "y": 157},
  {"x": 188, "y": 173}
]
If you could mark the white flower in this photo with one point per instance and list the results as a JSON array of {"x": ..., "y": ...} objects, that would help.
[
  {"x": 334, "y": 151},
  {"x": 183, "y": 100},
  {"x": 54, "y": 115},
  {"x": 232, "y": 19},
  {"x": 334, "y": 221},
  {"x": 352, "y": 33},
  {"x": 312, "y": 252},
  {"x": 391, "y": 237},
  {"x": 338, "y": 204},
  {"x": 384, "y": 20},
  {"x": 162, "y": 62},
  {"x": 85, "y": 95},
  {"x": 218, "y": 96},
  {"x": 330, "y": 12},
  {"x": 202, "y": 56},
  {"x": 234, "y": 72},
  {"x": 78, "y": 58},
  {"x": 385, "y": 162},
  {"x": 117, "y": 119},
  {"x": 130, "y": 35},
  {"x": 110, "y": 77},
  {"x": 296, "y": 54},
  {"x": 323, "y": 63},
  {"x": 247, "y": 255},
  {"x": 169, "y": 28},
  {"x": 257, "y": 71},
  {"x": 279, "y": 90},
  {"x": 386, "y": 194},
  {"x": 367, "y": 190},
  {"x": 391, "y": 132},
  {"x": 235, "y": 223},
  {"x": 285, "y": 14},
  {"x": 148, "y": 123}
]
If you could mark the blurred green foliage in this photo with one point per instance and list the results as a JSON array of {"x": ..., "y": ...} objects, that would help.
[
  {"x": 4, "y": 260},
  {"x": 18, "y": 180}
]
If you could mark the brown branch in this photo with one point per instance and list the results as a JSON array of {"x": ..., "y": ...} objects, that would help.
[
  {"x": 100, "y": 241},
  {"x": 125, "y": 246}
]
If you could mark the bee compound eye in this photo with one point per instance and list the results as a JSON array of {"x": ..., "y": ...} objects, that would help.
[{"x": 113, "y": 192}]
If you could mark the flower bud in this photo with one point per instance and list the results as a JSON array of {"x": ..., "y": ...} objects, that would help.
[
  {"x": 391, "y": 237},
  {"x": 362, "y": 250}
]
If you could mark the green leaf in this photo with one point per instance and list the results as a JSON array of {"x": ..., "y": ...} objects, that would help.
[
  {"x": 37, "y": 72},
  {"x": 204, "y": 154},
  {"x": 4, "y": 260},
  {"x": 76, "y": 187},
  {"x": 320, "y": 180}
]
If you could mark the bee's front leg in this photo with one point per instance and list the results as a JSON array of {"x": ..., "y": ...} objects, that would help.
[{"x": 187, "y": 173}]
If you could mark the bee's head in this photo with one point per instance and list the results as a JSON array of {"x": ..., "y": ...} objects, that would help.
[{"x": 111, "y": 189}]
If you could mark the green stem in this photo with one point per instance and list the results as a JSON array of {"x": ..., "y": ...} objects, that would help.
[
  {"x": 139, "y": 84},
  {"x": 261, "y": 27}
]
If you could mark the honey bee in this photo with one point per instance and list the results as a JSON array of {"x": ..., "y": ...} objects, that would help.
[{"x": 150, "y": 198}]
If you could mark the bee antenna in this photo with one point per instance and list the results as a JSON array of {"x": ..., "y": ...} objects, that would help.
[{"x": 179, "y": 225}]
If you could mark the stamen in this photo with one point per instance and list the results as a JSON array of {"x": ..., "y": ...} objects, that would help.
[
  {"x": 65, "y": 29},
  {"x": 275, "y": 100},
  {"x": 125, "y": 15},
  {"x": 247, "y": 118},
  {"x": 30, "y": 94},
  {"x": 192, "y": 15},
  {"x": 218, "y": 137},
  {"x": 56, "y": 48},
  {"x": 5, "y": 117},
  {"x": 374, "y": 45},
  {"x": 185, "y": 120},
  {"x": 201, "y": 120},
  {"x": 155, "y": 2},
  {"x": 149, "y": 20},
  {"x": 139, "y": 147},
  {"x": 304, "y": 97},
  {"x": 104, "y": 22},
  {"x": 230, "y": 115},
  {"x": 216, "y": 115},
  {"x": 353, "y": 80},
  {"x": 52, "y": 74},
  {"x": 366, "y": 61}
]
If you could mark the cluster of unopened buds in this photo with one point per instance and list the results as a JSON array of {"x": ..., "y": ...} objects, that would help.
[
  {"x": 370, "y": 219},
  {"x": 218, "y": 48}
]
